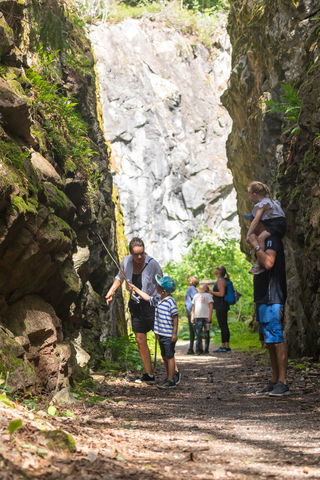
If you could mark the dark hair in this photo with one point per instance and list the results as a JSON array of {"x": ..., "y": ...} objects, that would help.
[
  {"x": 135, "y": 242},
  {"x": 223, "y": 271}
]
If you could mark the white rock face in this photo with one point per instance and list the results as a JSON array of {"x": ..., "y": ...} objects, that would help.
[{"x": 160, "y": 95}]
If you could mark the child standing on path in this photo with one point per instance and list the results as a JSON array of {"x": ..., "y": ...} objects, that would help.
[
  {"x": 190, "y": 293},
  {"x": 165, "y": 325},
  {"x": 268, "y": 219},
  {"x": 201, "y": 316}
]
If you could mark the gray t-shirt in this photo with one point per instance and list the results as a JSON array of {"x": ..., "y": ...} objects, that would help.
[{"x": 151, "y": 269}]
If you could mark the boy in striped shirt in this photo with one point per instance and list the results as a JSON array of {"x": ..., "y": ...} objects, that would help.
[{"x": 165, "y": 325}]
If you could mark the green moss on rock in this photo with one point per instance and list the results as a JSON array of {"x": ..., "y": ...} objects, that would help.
[{"x": 60, "y": 440}]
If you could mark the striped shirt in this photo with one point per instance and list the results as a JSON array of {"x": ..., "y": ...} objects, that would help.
[{"x": 166, "y": 309}]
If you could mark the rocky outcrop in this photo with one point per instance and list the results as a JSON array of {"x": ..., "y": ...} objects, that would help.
[
  {"x": 160, "y": 92},
  {"x": 55, "y": 196},
  {"x": 277, "y": 42}
]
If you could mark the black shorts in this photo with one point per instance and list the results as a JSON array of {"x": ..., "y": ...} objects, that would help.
[
  {"x": 276, "y": 226},
  {"x": 167, "y": 347},
  {"x": 142, "y": 316}
]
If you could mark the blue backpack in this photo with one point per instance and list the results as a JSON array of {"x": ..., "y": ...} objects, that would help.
[{"x": 231, "y": 296}]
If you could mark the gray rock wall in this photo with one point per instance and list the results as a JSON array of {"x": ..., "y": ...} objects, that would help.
[{"x": 160, "y": 94}]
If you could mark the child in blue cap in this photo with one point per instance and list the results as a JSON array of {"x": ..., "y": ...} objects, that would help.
[{"x": 165, "y": 325}]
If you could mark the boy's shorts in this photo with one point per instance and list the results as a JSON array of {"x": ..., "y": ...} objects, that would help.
[
  {"x": 276, "y": 226},
  {"x": 270, "y": 322},
  {"x": 167, "y": 346}
]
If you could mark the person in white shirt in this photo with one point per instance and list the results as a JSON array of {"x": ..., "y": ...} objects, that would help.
[{"x": 201, "y": 316}]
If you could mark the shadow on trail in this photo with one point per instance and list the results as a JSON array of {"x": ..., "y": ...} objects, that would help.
[{"x": 215, "y": 399}]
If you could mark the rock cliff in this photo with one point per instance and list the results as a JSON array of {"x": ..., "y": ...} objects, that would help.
[
  {"x": 55, "y": 196},
  {"x": 160, "y": 93},
  {"x": 276, "y": 42}
]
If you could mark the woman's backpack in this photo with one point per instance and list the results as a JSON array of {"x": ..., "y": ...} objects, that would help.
[{"x": 231, "y": 296}]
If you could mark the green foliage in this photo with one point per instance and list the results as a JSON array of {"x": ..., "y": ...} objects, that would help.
[
  {"x": 67, "y": 131},
  {"x": 52, "y": 410},
  {"x": 15, "y": 425},
  {"x": 289, "y": 107},
  {"x": 204, "y": 253},
  {"x": 207, "y": 6},
  {"x": 198, "y": 21},
  {"x": 122, "y": 353}
]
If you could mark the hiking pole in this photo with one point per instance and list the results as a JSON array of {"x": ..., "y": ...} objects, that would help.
[
  {"x": 155, "y": 352},
  {"x": 134, "y": 297}
]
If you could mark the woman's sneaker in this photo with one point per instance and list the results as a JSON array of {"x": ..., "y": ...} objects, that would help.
[
  {"x": 168, "y": 384},
  {"x": 279, "y": 390},
  {"x": 146, "y": 378}
]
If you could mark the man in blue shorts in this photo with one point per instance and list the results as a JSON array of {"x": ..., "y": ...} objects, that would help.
[{"x": 270, "y": 293}]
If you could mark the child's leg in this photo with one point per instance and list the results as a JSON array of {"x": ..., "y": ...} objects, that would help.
[
  {"x": 171, "y": 367},
  {"x": 207, "y": 336},
  {"x": 262, "y": 237},
  {"x": 199, "y": 335},
  {"x": 165, "y": 361}
]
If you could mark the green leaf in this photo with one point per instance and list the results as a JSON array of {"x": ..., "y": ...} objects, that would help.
[
  {"x": 42, "y": 452},
  {"x": 15, "y": 425},
  {"x": 52, "y": 410},
  {"x": 4, "y": 399}
]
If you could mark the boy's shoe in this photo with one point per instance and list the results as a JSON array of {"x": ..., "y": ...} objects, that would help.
[
  {"x": 256, "y": 269},
  {"x": 168, "y": 384},
  {"x": 146, "y": 378},
  {"x": 190, "y": 351},
  {"x": 248, "y": 216},
  {"x": 266, "y": 390},
  {"x": 206, "y": 352},
  {"x": 279, "y": 390},
  {"x": 177, "y": 377}
]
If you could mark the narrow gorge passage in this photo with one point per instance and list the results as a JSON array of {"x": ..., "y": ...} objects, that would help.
[{"x": 212, "y": 426}]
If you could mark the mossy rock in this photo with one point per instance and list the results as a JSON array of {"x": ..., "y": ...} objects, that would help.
[
  {"x": 58, "y": 200},
  {"x": 60, "y": 440},
  {"x": 6, "y": 36}
]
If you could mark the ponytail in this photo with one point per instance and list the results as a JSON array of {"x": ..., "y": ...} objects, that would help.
[{"x": 260, "y": 188}]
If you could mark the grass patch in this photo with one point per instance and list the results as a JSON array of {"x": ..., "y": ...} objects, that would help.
[{"x": 242, "y": 338}]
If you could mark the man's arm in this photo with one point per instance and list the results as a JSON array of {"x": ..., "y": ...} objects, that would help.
[
  {"x": 192, "y": 314},
  {"x": 265, "y": 258}
]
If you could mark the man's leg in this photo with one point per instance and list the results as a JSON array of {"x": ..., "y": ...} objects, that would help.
[
  {"x": 141, "y": 339},
  {"x": 282, "y": 361},
  {"x": 274, "y": 362}
]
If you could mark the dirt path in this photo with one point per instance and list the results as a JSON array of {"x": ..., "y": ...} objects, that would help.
[{"x": 212, "y": 426}]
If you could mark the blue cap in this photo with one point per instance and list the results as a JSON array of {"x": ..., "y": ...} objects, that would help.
[{"x": 167, "y": 283}]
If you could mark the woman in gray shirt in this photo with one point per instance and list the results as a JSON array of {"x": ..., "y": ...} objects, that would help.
[{"x": 139, "y": 269}]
